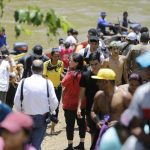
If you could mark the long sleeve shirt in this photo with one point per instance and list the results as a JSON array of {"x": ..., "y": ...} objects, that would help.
[
  {"x": 103, "y": 22},
  {"x": 35, "y": 100}
]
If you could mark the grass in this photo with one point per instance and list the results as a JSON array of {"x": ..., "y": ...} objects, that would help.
[{"x": 82, "y": 14}]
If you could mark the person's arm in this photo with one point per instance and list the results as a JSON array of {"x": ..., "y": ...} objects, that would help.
[
  {"x": 83, "y": 85},
  {"x": 81, "y": 97},
  {"x": 129, "y": 62},
  {"x": 103, "y": 22},
  {"x": 105, "y": 63},
  {"x": 95, "y": 109},
  {"x": 62, "y": 94},
  {"x": 45, "y": 69},
  {"x": 52, "y": 97},
  {"x": 62, "y": 69},
  {"x": 17, "y": 101},
  {"x": 125, "y": 71}
]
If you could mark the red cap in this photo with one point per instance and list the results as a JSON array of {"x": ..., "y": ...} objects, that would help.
[{"x": 15, "y": 121}]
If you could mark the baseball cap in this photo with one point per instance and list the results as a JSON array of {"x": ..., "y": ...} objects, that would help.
[
  {"x": 92, "y": 32},
  {"x": 93, "y": 39},
  {"x": 103, "y": 13},
  {"x": 114, "y": 44},
  {"x": 144, "y": 60},
  {"x": 16, "y": 121},
  {"x": 105, "y": 74},
  {"x": 37, "y": 50},
  {"x": 132, "y": 36}
]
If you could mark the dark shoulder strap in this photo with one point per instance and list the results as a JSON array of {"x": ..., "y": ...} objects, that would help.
[
  {"x": 48, "y": 96},
  {"x": 47, "y": 88},
  {"x": 85, "y": 52},
  {"x": 125, "y": 47},
  {"x": 21, "y": 95}
]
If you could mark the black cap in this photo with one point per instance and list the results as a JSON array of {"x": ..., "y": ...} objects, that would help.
[
  {"x": 92, "y": 32},
  {"x": 70, "y": 30},
  {"x": 94, "y": 39},
  {"x": 38, "y": 49}
]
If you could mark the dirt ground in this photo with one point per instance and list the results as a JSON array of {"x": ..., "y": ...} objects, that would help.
[{"x": 59, "y": 141}]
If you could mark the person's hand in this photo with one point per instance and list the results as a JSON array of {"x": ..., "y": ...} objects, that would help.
[
  {"x": 112, "y": 123},
  {"x": 99, "y": 124},
  {"x": 79, "y": 113},
  {"x": 136, "y": 131}
]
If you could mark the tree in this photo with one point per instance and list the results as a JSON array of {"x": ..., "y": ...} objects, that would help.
[{"x": 35, "y": 17}]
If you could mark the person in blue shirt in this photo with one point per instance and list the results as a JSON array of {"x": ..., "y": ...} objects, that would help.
[
  {"x": 102, "y": 24},
  {"x": 2, "y": 37}
]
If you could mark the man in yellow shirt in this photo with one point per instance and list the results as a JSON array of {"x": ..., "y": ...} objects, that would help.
[{"x": 53, "y": 69}]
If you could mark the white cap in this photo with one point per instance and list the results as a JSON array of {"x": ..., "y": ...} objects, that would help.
[{"x": 132, "y": 36}]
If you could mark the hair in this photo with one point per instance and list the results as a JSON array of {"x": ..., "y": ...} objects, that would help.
[
  {"x": 144, "y": 37},
  {"x": 75, "y": 32},
  {"x": 38, "y": 49},
  {"x": 70, "y": 30},
  {"x": 125, "y": 13},
  {"x": 136, "y": 77},
  {"x": 95, "y": 56},
  {"x": 4, "y": 50},
  {"x": 92, "y": 32},
  {"x": 37, "y": 66},
  {"x": 80, "y": 60},
  {"x": 61, "y": 41},
  {"x": 67, "y": 45},
  {"x": 54, "y": 50},
  {"x": 144, "y": 29}
]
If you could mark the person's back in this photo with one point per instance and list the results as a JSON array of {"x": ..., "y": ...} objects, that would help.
[
  {"x": 37, "y": 54},
  {"x": 35, "y": 96},
  {"x": 138, "y": 50}
]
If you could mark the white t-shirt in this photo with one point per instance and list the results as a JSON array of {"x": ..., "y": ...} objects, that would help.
[
  {"x": 4, "y": 75},
  {"x": 71, "y": 40}
]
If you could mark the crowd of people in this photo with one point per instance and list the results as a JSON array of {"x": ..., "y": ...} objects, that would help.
[{"x": 102, "y": 83}]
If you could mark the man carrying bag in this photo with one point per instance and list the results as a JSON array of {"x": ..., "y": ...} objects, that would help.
[{"x": 37, "y": 100}]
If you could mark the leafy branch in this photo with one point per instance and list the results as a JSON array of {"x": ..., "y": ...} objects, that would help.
[{"x": 34, "y": 16}]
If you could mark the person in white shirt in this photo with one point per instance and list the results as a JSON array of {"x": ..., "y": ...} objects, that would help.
[
  {"x": 6, "y": 69},
  {"x": 36, "y": 102},
  {"x": 72, "y": 38}
]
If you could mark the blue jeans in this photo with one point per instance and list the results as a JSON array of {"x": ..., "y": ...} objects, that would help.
[{"x": 39, "y": 130}]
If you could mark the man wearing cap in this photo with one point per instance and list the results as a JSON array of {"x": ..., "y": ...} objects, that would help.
[
  {"x": 35, "y": 96},
  {"x": 137, "y": 50},
  {"x": 6, "y": 70},
  {"x": 117, "y": 63},
  {"x": 109, "y": 100},
  {"x": 37, "y": 53},
  {"x": 131, "y": 41},
  {"x": 102, "y": 24}
]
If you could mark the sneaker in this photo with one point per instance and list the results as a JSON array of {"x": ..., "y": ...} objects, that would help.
[{"x": 79, "y": 147}]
